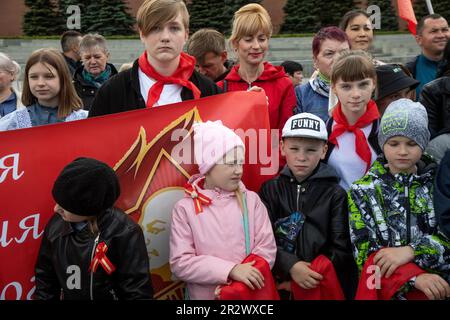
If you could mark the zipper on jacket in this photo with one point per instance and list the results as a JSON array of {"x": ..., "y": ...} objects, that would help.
[
  {"x": 408, "y": 216},
  {"x": 298, "y": 195},
  {"x": 92, "y": 272}
]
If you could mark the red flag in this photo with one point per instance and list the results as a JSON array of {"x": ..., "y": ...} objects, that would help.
[
  {"x": 406, "y": 12},
  {"x": 150, "y": 150}
]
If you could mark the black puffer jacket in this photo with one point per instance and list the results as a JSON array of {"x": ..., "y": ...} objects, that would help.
[
  {"x": 325, "y": 229},
  {"x": 85, "y": 90},
  {"x": 123, "y": 93},
  {"x": 65, "y": 257},
  {"x": 435, "y": 96}
]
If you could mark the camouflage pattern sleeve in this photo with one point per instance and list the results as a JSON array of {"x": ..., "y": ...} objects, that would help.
[
  {"x": 362, "y": 225},
  {"x": 432, "y": 253}
]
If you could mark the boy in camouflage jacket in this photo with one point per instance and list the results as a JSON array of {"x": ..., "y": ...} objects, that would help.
[{"x": 391, "y": 207}]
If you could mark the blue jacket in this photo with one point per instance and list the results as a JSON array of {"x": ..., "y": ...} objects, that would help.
[
  {"x": 310, "y": 101},
  {"x": 22, "y": 118}
]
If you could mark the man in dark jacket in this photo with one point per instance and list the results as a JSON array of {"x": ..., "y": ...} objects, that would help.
[
  {"x": 308, "y": 208},
  {"x": 432, "y": 35},
  {"x": 91, "y": 250},
  {"x": 209, "y": 49},
  {"x": 122, "y": 92},
  {"x": 70, "y": 45},
  {"x": 435, "y": 97}
]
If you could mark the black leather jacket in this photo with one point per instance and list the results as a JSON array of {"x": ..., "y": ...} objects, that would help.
[
  {"x": 123, "y": 92},
  {"x": 325, "y": 229},
  {"x": 435, "y": 96},
  {"x": 62, "y": 268}
]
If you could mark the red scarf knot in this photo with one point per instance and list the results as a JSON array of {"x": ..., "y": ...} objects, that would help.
[
  {"x": 101, "y": 258},
  {"x": 198, "y": 198},
  {"x": 361, "y": 144},
  {"x": 181, "y": 77}
]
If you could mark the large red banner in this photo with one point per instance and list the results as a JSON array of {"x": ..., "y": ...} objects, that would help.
[{"x": 151, "y": 152}]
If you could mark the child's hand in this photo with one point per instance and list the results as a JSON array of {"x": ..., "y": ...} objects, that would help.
[
  {"x": 389, "y": 259},
  {"x": 247, "y": 274},
  {"x": 433, "y": 286},
  {"x": 304, "y": 276}
]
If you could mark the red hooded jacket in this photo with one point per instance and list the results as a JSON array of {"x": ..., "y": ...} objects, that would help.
[{"x": 278, "y": 87}]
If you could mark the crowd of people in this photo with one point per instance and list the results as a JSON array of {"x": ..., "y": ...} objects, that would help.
[{"x": 365, "y": 179}]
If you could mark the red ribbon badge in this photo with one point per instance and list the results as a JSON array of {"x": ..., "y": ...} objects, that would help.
[
  {"x": 101, "y": 258},
  {"x": 198, "y": 198}
]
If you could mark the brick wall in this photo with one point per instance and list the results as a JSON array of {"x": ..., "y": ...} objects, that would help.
[{"x": 11, "y": 13}]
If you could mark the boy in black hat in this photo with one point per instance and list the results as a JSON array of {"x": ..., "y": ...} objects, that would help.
[
  {"x": 393, "y": 82},
  {"x": 90, "y": 249}
]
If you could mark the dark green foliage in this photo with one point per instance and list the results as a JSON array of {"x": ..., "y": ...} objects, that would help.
[
  {"x": 40, "y": 18},
  {"x": 309, "y": 16},
  {"x": 389, "y": 19},
  {"x": 214, "y": 14},
  {"x": 49, "y": 17}
]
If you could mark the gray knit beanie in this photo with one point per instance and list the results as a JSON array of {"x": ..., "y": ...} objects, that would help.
[{"x": 405, "y": 118}]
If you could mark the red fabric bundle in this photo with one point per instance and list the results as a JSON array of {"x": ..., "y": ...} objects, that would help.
[
  {"x": 328, "y": 289},
  {"x": 388, "y": 286},
  {"x": 237, "y": 290}
]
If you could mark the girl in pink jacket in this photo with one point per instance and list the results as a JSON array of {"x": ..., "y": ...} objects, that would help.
[{"x": 208, "y": 240}]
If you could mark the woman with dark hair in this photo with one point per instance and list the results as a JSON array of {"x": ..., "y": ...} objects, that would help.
[
  {"x": 313, "y": 96},
  {"x": 356, "y": 24},
  {"x": 435, "y": 96}
]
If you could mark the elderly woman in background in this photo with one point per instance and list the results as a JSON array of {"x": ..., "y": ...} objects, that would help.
[
  {"x": 95, "y": 70},
  {"x": 9, "y": 72},
  {"x": 313, "y": 96}
]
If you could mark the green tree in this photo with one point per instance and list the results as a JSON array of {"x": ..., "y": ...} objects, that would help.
[
  {"x": 420, "y": 9},
  {"x": 40, "y": 18},
  {"x": 389, "y": 19},
  {"x": 214, "y": 14},
  {"x": 332, "y": 12},
  {"x": 82, "y": 4},
  {"x": 301, "y": 16},
  {"x": 107, "y": 17},
  {"x": 309, "y": 16},
  {"x": 207, "y": 14},
  {"x": 442, "y": 7}
]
